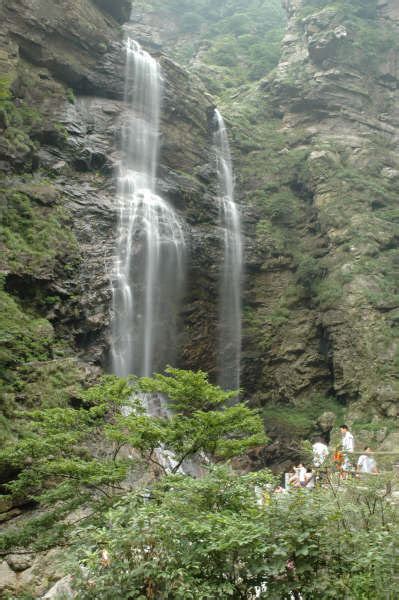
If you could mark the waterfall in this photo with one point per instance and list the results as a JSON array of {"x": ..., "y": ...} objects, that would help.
[
  {"x": 230, "y": 286},
  {"x": 148, "y": 264}
]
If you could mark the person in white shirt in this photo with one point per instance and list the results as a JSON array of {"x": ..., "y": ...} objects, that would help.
[
  {"x": 298, "y": 479},
  {"x": 320, "y": 453},
  {"x": 348, "y": 441},
  {"x": 366, "y": 463},
  {"x": 348, "y": 446}
]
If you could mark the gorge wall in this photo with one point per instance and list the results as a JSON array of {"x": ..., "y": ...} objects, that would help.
[
  {"x": 314, "y": 148},
  {"x": 314, "y": 133},
  {"x": 322, "y": 182},
  {"x": 61, "y": 110}
]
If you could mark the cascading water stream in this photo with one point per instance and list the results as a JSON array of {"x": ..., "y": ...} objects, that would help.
[
  {"x": 230, "y": 287},
  {"x": 149, "y": 261},
  {"x": 149, "y": 258}
]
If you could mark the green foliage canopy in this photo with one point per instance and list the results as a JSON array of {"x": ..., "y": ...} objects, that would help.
[
  {"x": 212, "y": 538},
  {"x": 56, "y": 465}
]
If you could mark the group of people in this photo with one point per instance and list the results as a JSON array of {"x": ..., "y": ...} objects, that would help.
[
  {"x": 341, "y": 461},
  {"x": 302, "y": 477}
]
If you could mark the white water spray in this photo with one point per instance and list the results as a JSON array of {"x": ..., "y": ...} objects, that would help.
[
  {"x": 149, "y": 258},
  {"x": 230, "y": 287}
]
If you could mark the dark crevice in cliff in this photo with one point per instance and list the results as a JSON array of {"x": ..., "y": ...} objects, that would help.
[
  {"x": 327, "y": 352},
  {"x": 301, "y": 189},
  {"x": 119, "y": 9},
  {"x": 29, "y": 290},
  {"x": 87, "y": 339}
]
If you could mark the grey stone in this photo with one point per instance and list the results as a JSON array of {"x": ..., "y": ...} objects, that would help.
[
  {"x": 62, "y": 589},
  {"x": 119, "y": 9},
  {"x": 20, "y": 562},
  {"x": 381, "y": 434},
  {"x": 8, "y": 579},
  {"x": 392, "y": 410},
  {"x": 391, "y": 443},
  {"x": 326, "y": 421}
]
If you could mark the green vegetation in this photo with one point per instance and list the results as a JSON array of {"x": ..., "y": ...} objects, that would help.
[
  {"x": 281, "y": 207},
  {"x": 362, "y": 8},
  {"x": 299, "y": 421},
  {"x": 17, "y": 123},
  {"x": 217, "y": 536},
  {"x": 70, "y": 96},
  {"x": 201, "y": 421},
  {"x": 34, "y": 237},
  {"x": 212, "y": 538},
  {"x": 23, "y": 338},
  {"x": 239, "y": 39},
  {"x": 37, "y": 246},
  {"x": 309, "y": 271},
  {"x": 367, "y": 41},
  {"x": 5, "y": 84},
  {"x": 52, "y": 463},
  {"x": 269, "y": 238},
  {"x": 26, "y": 118}
]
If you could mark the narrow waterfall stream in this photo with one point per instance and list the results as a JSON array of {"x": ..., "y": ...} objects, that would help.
[
  {"x": 148, "y": 268},
  {"x": 230, "y": 285}
]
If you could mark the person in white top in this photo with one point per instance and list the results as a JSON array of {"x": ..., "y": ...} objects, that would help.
[
  {"x": 366, "y": 463},
  {"x": 298, "y": 478},
  {"x": 320, "y": 453},
  {"x": 348, "y": 446},
  {"x": 348, "y": 441}
]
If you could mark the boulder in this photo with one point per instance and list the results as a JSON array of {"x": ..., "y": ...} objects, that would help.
[
  {"x": 326, "y": 422},
  {"x": 390, "y": 443},
  {"x": 20, "y": 562},
  {"x": 62, "y": 589},
  {"x": 8, "y": 579}
]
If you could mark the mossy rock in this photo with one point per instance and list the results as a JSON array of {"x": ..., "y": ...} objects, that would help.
[
  {"x": 304, "y": 419},
  {"x": 35, "y": 238}
]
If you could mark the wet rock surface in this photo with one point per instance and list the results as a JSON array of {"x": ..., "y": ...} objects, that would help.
[
  {"x": 66, "y": 62},
  {"x": 119, "y": 9},
  {"x": 337, "y": 339}
]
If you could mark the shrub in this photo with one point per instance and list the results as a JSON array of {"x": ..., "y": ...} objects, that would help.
[
  {"x": 215, "y": 538},
  {"x": 282, "y": 207},
  {"x": 309, "y": 272}
]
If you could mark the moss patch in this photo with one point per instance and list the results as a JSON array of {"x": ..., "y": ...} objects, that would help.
[
  {"x": 300, "y": 421},
  {"x": 35, "y": 238},
  {"x": 24, "y": 338}
]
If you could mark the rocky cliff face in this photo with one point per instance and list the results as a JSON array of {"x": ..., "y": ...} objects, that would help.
[
  {"x": 317, "y": 177},
  {"x": 322, "y": 310},
  {"x": 315, "y": 153},
  {"x": 62, "y": 81}
]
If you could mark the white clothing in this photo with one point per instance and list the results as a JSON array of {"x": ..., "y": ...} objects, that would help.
[
  {"x": 311, "y": 481},
  {"x": 348, "y": 442},
  {"x": 347, "y": 465},
  {"x": 366, "y": 464},
  {"x": 301, "y": 473},
  {"x": 320, "y": 453}
]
